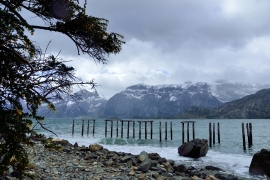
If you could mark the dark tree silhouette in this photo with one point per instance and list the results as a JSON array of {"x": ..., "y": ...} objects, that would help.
[{"x": 31, "y": 76}]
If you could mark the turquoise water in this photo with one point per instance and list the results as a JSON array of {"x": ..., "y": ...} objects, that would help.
[{"x": 229, "y": 154}]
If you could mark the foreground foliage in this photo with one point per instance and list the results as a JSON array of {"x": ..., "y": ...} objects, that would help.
[{"x": 30, "y": 76}]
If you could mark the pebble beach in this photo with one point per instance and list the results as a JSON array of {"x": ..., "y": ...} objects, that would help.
[{"x": 62, "y": 160}]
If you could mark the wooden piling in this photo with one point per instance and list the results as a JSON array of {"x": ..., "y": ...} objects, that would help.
[
  {"x": 210, "y": 135},
  {"x": 214, "y": 133},
  {"x": 160, "y": 138},
  {"x": 94, "y": 126},
  {"x": 133, "y": 129},
  {"x": 166, "y": 132},
  {"x": 145, "y": 128},
  {"x": 111, "y": 129},
  {"x": 122, "y": 126},
  {"x": 140, "y": 133},
  {"x": 128, "y": 130},
  {"x": 151, "y": 123},
  {"x": 73, "y": 128},
  {"x": 248, "y": 135},
  {"x": 82, "y": 126},
  {"x": 218, "y": 133},
  {"x": 193, "y": 129},
  {"x": 243, "y": 136},
  {"x": 188, "y": 132},
  {"x": 171, "y": 130},
  {"x": 88, "y": 128},
  {"x": 105, "y": 128},
  {"x": 117, "y": 128},
  {"x": 183, "y": 133},
  {"x": 250, "y": 131}
]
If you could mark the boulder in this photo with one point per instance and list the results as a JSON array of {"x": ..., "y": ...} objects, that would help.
[
  {"x": 145, "y": 162},
  {"x": 143, "y": 155},
  {"x": 154, "y": 156},
  {"x": 195, "y": 148},
  {"x": 76, "y": 145},
  {"x": 180, "y": 168},
  {"x": 145, "y": 165},
  {"x": 260, "y": 164},
  {"x": 95, "y": 147}
]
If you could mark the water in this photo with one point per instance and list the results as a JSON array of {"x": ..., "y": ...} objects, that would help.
[{"x": 228, "y": 155}]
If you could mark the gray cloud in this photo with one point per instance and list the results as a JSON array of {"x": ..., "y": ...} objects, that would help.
[{"x": 170, "y": 42}]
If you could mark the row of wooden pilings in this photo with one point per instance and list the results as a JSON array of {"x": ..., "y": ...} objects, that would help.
[
  {"x": 140, "y": 129},
  {"x": 212, "y": 130},
  {"x": 88, "y": 126}
]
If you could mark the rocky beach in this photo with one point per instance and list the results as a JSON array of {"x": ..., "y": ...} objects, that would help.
[{"x": 53, "y": 159}]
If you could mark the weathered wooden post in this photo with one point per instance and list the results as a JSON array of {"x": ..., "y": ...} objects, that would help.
[
  {"x": 94, "y": 125},
  {"x": 248, "y": 135},
  {"x": 145, "y": 128},
  {"x": 166, "y": 133},
  {"x": 88, "y": 128},
  {"x": 210, "y": 135},
  {"x": 171, "y": 130},
  {"x": 250, "y": 131},
  {"x": 122, "y": 126},
  {"x": 151, "y": 123},
  {"x": 140, "y": 133},
  {"x": 188, "y": 132},
  {"x": 193, "y": 129},
  {"x": 214, "y": 134},
  {"x": 218, "y": 133},
  {"x": 111, "y": 128},
  {"x": 117, "y": 128},
  {"x": 82, "y": 126},
  {"x": 160, "y": 138},
  {"x": 128, "y": 130},
  {"x": 73, "y": 128},
  {"x": 183, "y": 133},
  {"x": 133, "y": 129},
  {"x": 105, "y": 128},
  {"x": 243, "y": 136}
]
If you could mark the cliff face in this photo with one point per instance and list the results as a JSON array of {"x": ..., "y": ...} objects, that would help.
[{"x": 163, "y": 100}]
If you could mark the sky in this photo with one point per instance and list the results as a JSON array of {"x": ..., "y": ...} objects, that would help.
[{"x": 172, "y": 42}]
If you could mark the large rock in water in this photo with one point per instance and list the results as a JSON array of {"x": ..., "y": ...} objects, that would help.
[
  {"x": 260, "y": 164},
  {"x": 195, "y": 148}
]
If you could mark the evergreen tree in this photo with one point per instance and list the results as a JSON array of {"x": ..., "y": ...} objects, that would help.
[{"x": 31, "y": 76}]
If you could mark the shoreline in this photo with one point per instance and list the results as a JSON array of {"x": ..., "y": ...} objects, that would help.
[{"x": 62, "y": 160}]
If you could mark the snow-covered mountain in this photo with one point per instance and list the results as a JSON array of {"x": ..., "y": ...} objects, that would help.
[
  {"x": 88, "y": 104},
  {"x": 162, "y": 100},
  {"x": 227, "y": 91},
  {"x": 144, "y": 101}
]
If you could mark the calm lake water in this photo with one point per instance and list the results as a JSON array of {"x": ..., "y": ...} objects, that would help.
[{"x": 228, "y": 155}]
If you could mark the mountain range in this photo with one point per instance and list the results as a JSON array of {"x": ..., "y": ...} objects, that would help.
[
  {"x": 185, "y": 100},
  {"x": 254, "y": 106},
  {"x": 82, "y": 103}
]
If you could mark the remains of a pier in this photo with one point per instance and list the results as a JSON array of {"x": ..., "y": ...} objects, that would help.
[
  {"x": 183, "y": 130},
  {"x": 122, "y": 127},
  {"x": 212, "y": 134},
  {"x": 88, "y": 126},
  {"x": 145, "y": 129},
  {"x": 166, "y": 131}
]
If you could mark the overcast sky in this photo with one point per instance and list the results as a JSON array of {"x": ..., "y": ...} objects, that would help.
[{"x": 171, "y": 42}]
